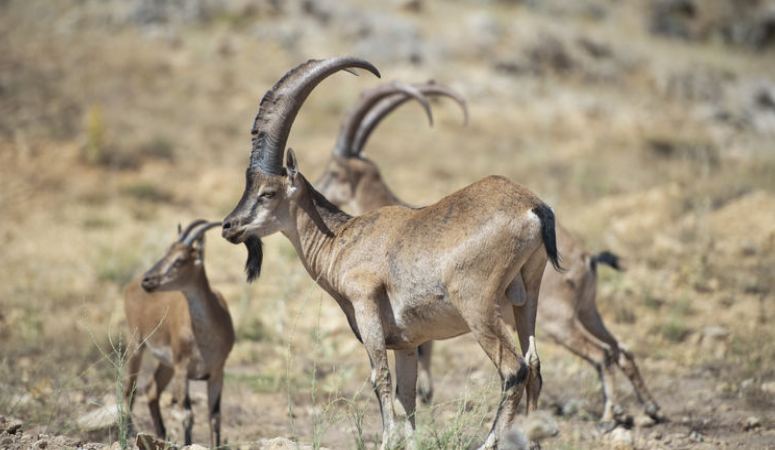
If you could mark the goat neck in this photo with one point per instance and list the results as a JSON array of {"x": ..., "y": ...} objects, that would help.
[{"x": 315, "y": 223}]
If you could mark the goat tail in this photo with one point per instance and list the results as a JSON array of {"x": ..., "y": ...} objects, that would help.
[
  {"x": 546, "y": 217},
  {"x": 609, "y": 259}
]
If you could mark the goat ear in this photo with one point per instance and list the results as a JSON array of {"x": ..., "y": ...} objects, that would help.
[{"x": 291, "y": 166}]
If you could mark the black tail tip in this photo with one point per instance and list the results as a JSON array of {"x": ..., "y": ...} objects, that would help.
[
  {"x": 546, "y": 217},
  {"x": 609, "y": 259}
]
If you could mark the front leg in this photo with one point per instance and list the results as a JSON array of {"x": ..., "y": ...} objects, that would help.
[
  {"x": 406, "y": 389},
  {"x": 181, "y": 399},
  {"x": 214, "y": 389},
  {"x": 369, "y": 324}
]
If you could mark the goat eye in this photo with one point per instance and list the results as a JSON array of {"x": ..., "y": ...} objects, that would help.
[
  {"x": 177, "y": 263},
  {"x": 267, "y": 194}
]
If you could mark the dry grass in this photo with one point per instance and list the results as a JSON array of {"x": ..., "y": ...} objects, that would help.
[{"x": 111, "y": 133}]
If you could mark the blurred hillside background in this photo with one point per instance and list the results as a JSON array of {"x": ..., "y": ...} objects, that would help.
[{"x": 649, "y": 125}]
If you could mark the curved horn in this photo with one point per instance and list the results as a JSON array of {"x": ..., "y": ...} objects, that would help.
[
  {"x": 191, "y": 226},
  {"x": 381, "y": 110},
  {"x": 197, "y": 233},
  {"x": 368, "y": 99},
  {"x": 280, "y": 105}
]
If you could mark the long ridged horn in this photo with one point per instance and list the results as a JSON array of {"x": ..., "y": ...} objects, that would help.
[
  {"x": 280, "y": 105},
  {"x": 386, "y": 106},
  {"x": 198, "y": 231},
  {"x": 368, "y": 99},
  {"x": 182, "y": 235}
]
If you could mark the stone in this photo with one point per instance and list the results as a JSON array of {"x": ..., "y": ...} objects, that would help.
[
  {"x": 99, "y": 419},
  {"x": 281, "y": 443},
  {"x": 9, "y": 425},
  {"x": 696, "y": 437},
  {"x": 621, "y": 439},
  {"x": 572, "y": 407},
  {"x": 752, "y": 423},
  {"x": 643, "y": 421},
  {"x": 194, "y": 447},
  {"x": 514, "y": 440},
  {"x": 540, "y": 425},
  {"x": 768, "y": 387},
  {"x": 149, "y": 442},
  {"x": 42, "y": 443}
]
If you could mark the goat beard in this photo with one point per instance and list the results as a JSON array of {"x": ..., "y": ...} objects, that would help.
[{"x": 255, "y": 257}]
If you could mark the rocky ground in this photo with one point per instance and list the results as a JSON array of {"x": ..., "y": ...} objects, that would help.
[{"x": 648, "y": 125}]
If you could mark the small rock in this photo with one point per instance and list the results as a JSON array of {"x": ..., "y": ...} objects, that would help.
[
  {"x": 194, "y": 447},
  {"x": 149, "y": 442},
  {"x": 10, "y": 426},
  {"x": 752, "y": 422},
  {"x": 99, "y": 419},
  {"x": 539, "y": 425},
  {"x": 622, "y": 439},
  {"x": 572, "y": 407},
  {"x": 696, "y": 437},
  {"x": 712, "y": 334},
  {"x": 42, "y": 443},
  {"x": 746, "y": 384},
  {"x": 514, "y": 440},
  {"x": 769, "y": 387},
  {"x": 281, "y": 443},
  {"x": 645, "y": 421},
  {"x": 67, "y": 441},
  {"x": 8, "y": 440}
]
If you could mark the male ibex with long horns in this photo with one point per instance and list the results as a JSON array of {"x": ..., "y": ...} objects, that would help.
[
  {"x": 404, "y": 276},
  {"x": 173, "y": 311},
  {"x": 567, "y": 310}
]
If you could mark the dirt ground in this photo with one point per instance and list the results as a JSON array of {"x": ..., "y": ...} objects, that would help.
[{"x": 647, "y": 125}]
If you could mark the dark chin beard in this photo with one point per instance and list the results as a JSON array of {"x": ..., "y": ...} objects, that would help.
[{"x": 255, "y": 257}]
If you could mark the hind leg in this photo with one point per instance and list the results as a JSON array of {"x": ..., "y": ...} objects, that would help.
[
  {"x": 494, "y": 337},
  {"x": 525, "y": 319},
  {"x": 424, "y": 380},
  {"x": 592, "y": 322}
]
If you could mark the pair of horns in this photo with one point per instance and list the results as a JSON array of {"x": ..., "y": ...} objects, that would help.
[
  {"x": 376, "y": 104},
  {"x": 194, "y": 230},
  {"x": 280, "y": 105}
]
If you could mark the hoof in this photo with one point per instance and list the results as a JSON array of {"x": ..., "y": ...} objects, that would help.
[
  {"x": 424, "y": 389},
  {"x": 652, "y": 410},
  {"x": 424, "y": 396},
  {"x": 625, "y": 420}
]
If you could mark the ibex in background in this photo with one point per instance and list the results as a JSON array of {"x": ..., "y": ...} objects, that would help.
[
  {"x": 173, "y": 311},
  {"x": 404, "y": 276},
  {"x": 353, "y": 181},
  {"x": 566, "y": 306}
]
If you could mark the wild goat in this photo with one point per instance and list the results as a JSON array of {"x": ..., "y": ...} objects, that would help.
[
  {"x": 173, "y": 311},
  {"x": 353, "y": 181},
  {"x": 404, "y": 276},
  {"x": 566, "y": 305}
]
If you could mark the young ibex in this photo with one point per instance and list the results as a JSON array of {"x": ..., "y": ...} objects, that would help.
[
  {"x": 173, "y": 311},
  {"x": 404, "y": 276},
  {"x": 566, "y": 306}
]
